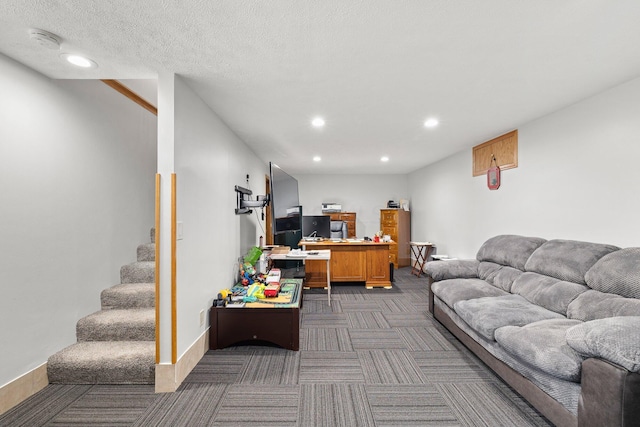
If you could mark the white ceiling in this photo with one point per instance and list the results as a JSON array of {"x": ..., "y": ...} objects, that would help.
[{"x": 374, "y": 69}]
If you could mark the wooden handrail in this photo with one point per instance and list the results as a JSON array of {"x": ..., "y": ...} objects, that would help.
[{"x": 131, "y": 95}]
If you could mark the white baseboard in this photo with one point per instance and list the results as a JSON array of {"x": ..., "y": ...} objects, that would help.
[
  {"x": 169, "y": 377},
  {"x": 23, "y": 387}
]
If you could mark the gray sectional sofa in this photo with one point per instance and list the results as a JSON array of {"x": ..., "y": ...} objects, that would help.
[{"x": 558, "y": 320}]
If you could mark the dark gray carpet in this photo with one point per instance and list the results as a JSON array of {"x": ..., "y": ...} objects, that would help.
[{"x": 373, "y": 358}]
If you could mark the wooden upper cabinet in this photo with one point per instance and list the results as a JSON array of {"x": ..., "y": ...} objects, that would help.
[{"x": 505, "y": 150}]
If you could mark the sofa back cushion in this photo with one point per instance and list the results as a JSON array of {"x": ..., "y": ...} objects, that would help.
[
  {"x": 592, "y": 305},
  {"x": 509, "y": 250},
  {"x": 500, "y": 276},
  {"x": 567, "y": 259},
  {"x": 547, "y": 292},
  {"x": 617, "y": 273}
]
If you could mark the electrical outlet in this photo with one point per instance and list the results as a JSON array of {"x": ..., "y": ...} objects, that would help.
[{"x": 201, "y": 317}]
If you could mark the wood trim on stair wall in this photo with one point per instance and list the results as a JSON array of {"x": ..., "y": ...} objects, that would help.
[
  {"x": 114, "y": 84},
  {"x": 157, "y": 259}
]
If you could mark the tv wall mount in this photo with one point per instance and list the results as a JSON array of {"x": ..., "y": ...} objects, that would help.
[{"x": 244, "y": 202}]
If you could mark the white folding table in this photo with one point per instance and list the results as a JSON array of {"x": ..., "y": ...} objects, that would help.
[{"x": 319, "y": 255}]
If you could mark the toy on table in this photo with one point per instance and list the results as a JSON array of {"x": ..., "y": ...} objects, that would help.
[{"x": 247, "y": 273}]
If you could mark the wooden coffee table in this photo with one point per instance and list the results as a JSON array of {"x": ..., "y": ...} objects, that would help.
[{"x": 259, "y": 321}]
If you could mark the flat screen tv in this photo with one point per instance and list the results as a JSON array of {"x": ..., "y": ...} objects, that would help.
[
  {"x": 286, "y": 211},
  {"x": 316, "y": 226}
]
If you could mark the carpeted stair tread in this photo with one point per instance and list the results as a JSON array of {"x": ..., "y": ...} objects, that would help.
[
  {"x": 117, "y": 344},
  {"x": 129, "y": 295},
  {"x": 118, "y": 325},
  {"x": 111, "y": 362},
  {"x": 138, "y": 272},
  {"x": 146, "y": 252}
]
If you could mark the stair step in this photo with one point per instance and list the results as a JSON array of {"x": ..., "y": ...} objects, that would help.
[
  {"x": 138, "y": 272},
  {"x": 118, "y": 325},
  {"x": 111, "y": 362},
  {"x": 129, "y": 295},
  {"x": 146, "y": 252}
]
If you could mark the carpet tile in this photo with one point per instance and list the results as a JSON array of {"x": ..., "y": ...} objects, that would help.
[
  {"x": 450, "y": 367},
  {"x": 367, "y": 320},
  {"x": 484, "y": 404},
  {"x": 194, "y": 404},
  {"x": 221, "y": 367},
  {"x": 390, "y": 367},
  {"x": 376, "y": 339},
  {"x": 271, "y": 366},
  {"x": 43, "y": 406},
  {"x": 108, "y": 405},
  {"x": 397, "y": 305},
  {"x": 320, "y": 320},
  {"x": 408, "y": 320},
  {"x": 329, "y": 405},
  {"x": 330, "y": 367},
  {"x": 251, "y": 405},
  {"x": 424, "y": 339},
  {"x": 325, "y": 339},
  {"x": 409, "y": 405},
  {"x": 373, "y": 357},
  {"x": 360, "y": 306}
]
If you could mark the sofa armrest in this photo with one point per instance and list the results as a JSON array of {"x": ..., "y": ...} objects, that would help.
[
  {"x": 610, "y": 395},
  {"x": 616, "y": 339},
  {"x": 454, "y": 269}
]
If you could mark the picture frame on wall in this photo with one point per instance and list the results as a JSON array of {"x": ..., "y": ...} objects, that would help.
[{"x": 493, "y": 178}]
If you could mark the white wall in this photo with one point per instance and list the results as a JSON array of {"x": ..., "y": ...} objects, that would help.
[
  {"x": 209, "y": 161},
  {"x": 363, "y": 194},
  {"x": 578, "y": 178},
  {"x": 77, "y": 162}
]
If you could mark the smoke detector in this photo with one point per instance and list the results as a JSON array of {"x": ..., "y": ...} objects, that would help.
[{"x": 45, "y": 39}]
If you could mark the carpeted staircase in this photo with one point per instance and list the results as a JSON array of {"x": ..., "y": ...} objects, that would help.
[{"x": 116, "y": 345}]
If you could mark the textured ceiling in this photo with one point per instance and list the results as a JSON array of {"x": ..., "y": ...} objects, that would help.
[{"x": 375, "y": 69}]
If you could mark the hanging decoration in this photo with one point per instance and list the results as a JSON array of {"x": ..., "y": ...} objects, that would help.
[{"x": 493, "y": 174}]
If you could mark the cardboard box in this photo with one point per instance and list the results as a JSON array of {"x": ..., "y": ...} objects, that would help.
[{"x": 280, "y": 250}]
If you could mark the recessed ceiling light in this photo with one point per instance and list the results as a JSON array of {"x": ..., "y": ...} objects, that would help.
[
  {"x": 317, "y": 158},
  {"x": 430, "y": 123},
  {"x": 318, "y": 122},
  {"x": 384, "y": 159},
  {"x": 79, "y": 60}
]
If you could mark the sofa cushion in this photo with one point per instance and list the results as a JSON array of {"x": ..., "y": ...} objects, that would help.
[
  {"x": 454, "y": 269},
  {"x": 487, "y": 314},
  {"x": 616, "y": 339},
  {"x": 501, "y": 276},
  {"x": 592, "y": 305},
  {"x": 548, "y": 292},
  {"x": 567, "y": 259},
  {"x": 617, "y": 273},
  {"x": 454, "y": 290},
  {"x": 543, "y": 345},
  {"x": 510, "y": 250}
]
